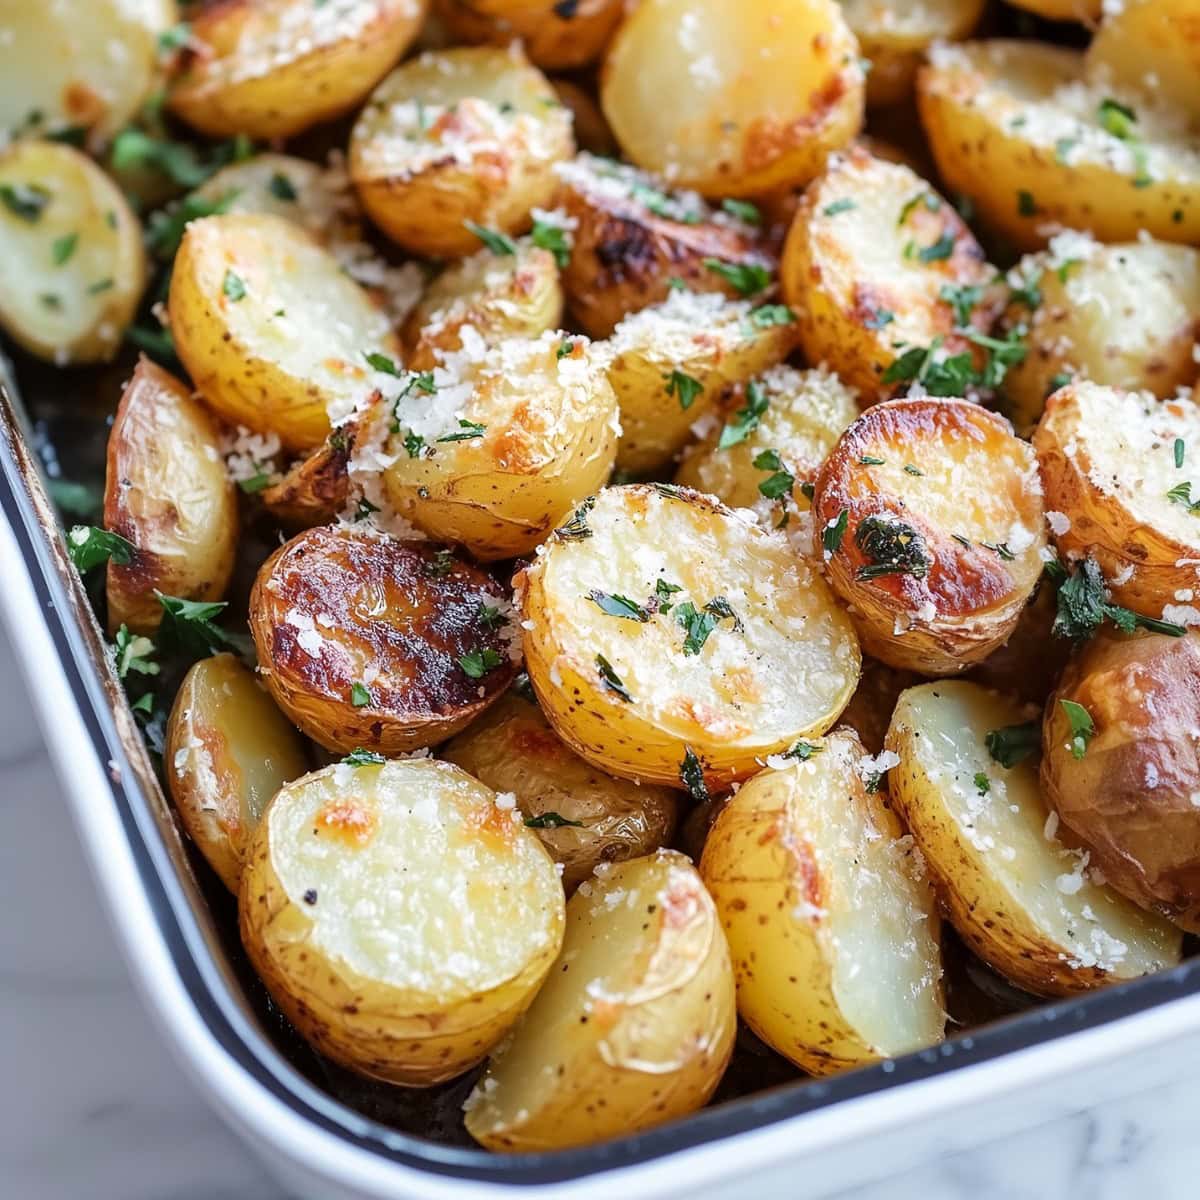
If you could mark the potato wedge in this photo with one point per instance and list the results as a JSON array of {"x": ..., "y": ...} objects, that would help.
[
  {"x": 315, "y": 490},
  {"x": 764, "y": 450},
  {"x": 583, "y": 816},
  {"x": 1017, "y": 896},
  {"x": 1114, "y": 492},
  {"x": 832, "y": 926},
  {"x": 458, "y": 137},
  {"x": 671, "y": 363},
  {"x": 733, "y": 100},
  {"x": 1014, "y": 127},
  {"x": 229, "y": 750},
  {"x": 928, "y": 515},
  {"x": 506, "y": 441},
  {"x": 1126, "y": 316},
  {"x": 270, "y": 68},
  {"x": 72, "y": 267},
  {"x": 401, "y": 916},
  {"x": 876, "y": 261},
  {"x": 635, "y": 240},
  {"x": 637, "y": 1032},
  {"x": 497, "y": 295},
  {"x": 273, "y": 332},
  {"x": 667, "y": 637},
  {"x": 167, "y": 493},
  {"x": 366, "y": 641}
]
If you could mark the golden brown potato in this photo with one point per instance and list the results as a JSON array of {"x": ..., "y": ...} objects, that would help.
[
  {"x": 876, "y": 262},
  {"x": 71, "y": 261},
  {"x": 1117, "y": 469},
  {"x": 669, "y": 639},
  {"x": 635, "y": 240},
  {"x": 454, "y": 138},
  {"x": 504, "y": 443},
  {"x": 583, "y": 816},
  {"x": 1127, "y": 316},
  {"x": 1021, "y": 899},
  {"x": 316, "y": 489},
  {"x": 228, "y": 751},
  {"x": 733, "y": 100},
  {"x": 401, "y": 916},
  {"x": 672, "y": 362},
  {"x": 167, "y": 493},
  {"x": 1120, "y": 766},
  {"x": 928, "y": 515},
  {"x": 270, "y": 68},
  {"x": 367, "y": 641},
  {"x": 592, "y": 133},
  {"x": 831, "y": 924},
  {"x": 273, "y": 332},
  {"x": 767, "y": 444},
  {"x": 1014, "y": 127}
]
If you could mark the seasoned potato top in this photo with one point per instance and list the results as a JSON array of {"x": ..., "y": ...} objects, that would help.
[
  {"x": 283, "y": 186},
  {"x": 901, "y": 21}
]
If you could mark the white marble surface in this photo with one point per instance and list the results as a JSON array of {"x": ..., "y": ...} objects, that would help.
[{"x": 93, "y": 1106}]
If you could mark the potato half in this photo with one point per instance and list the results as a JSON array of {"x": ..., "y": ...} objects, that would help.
[
  {"x": 583, "y": 816},
  {"x": 634, "y": 1028},
  {"x": 666, "y": 636},
  {"x": 876, "y": 261},
  {"x": 401, "y": 916},
  {"x": 928, "y": 514},
  {"x": 506, "y": 441},
  {"x": 1114, "y": 491},
  {"x": 733, "y": 100},
  {"x": 367, "y": 641},
  {"x": 229, "y": 750},
  {"x": 1020, "y": 899},
  {"x": 71, "y": 261},
  {"x": 270, "y": 68},
  {"x": 831, "y": 924},
  {"x": 273, "y": 332},
  {"x": 468, "y": 135},
  {"x": 1014, "y": 126},
  {"x": 167, "y": 493}
]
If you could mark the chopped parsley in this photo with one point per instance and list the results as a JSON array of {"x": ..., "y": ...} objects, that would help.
[
  {"x": 962, "y": 298},
  {"x": 879, "y": 318},
  {"x": 910, "y": 469},
  {"x": 745, "y": 420},
  {"x": 363, "y": 758},
  {"x": 1181, "y": 493},
  {"x": 983, "y": 784},
  {"x": 747, "y": 279},
  {"x": 489, "y": 616},
  {"x": 691, "y": 772},
  {"x": 1013, "y": 744},
  {"x": 575, "y": 528},
  {"x": 550, "y": 820},
  {"x": 133, "y": 652},
  {"x": 360, "y": 695},
  {"x": 440, "y": 565},
  {"x": 1083, "y": 606},
  {"x": 187, "y": 627},
  {"x": 1180, "y": 447},
  {"x": 467, "y": 431},
  {"x": 1026, "y": 204},
  {"x": 941, "y": 249},
  {"x": 89, "y": 546},
  {"x": 845, "y": 204},
  {"x": 233, "y": 287},
  {"x": 869, "y": 460},
  {"x": 663, "y": 591},
  {"x": 25, "y": 200},
  {"x": 565, "y": 349},
  {"x": 766, "y": 315},
  {"x": 166, "y": 227},
  {"x": 892, "y": 548},
  {"x": 779, "y": 483},
  {"x": 1082, "y": 727},
  {"x": 685, "y": 388},
  {"x": 610, "y": 679},
  {"x": 832, "y": 534},
  {"x": 180, "y": 162},
  {"x": 618, "y": 606},
  {"x": 803, "y": 751},
  {"x": 743, "y": 210},
  {"x": 281, "y": 187},
  {"x": 477, "y": 663},
  {"x": 1120, "y": 121},
  {"x": 553, "y": 238},
  {"x": 63, "y": 248},
  {"x": 493, "y": 239}
]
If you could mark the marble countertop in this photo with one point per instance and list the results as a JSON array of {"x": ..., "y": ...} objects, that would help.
[{"x": 94, "y": 1106}]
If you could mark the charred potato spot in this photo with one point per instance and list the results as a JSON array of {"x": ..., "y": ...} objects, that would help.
[
  {"x": 333, "y": 609},
  {"x": 316, "y": 488}
]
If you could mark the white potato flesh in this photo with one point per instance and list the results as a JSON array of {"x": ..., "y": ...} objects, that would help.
[
  {"x": 71, "y": 261},
  {"x": 1022, "y": 900}
]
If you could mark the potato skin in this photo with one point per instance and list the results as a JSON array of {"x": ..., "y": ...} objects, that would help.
[
  {"x": 553, "y": 41},
  {"x": 166, "y": 491},
  {"x": 333, "y": 605},
  {"x": 316, "y": 488},
  {"x": 1129, "y": 798},
  {"x": 513, "y": 748}
]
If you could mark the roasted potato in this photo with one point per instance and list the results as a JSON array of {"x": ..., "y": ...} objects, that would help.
[
  {"x": 1020, "y": 899},
  {"x": 635, "y": 240},
  {"x": 71, "y": 262},
  {"x": 498, "y": 295},
  {"x": 315, "y": 490},
  {"x": 583, "y": 816},
  {"x": 768, "y": 442},
  {"x": 1125, "y": 316},
  {"x": 671, "y": 640},
  {"x": 275, "y": 335},
  {"x": 367, "y": 641},
  {"x": 1015, "y": 128},
  {"x": 672, "y": 362},
  {"x": 504, "y": 444},
  {"x": 228, "y": 751},
  {"x": 78, "y": 66},
  {"x": 1117, "y": 469},
  {"x": 401, "y": 916},
  {"x": 270, "y": 68},
  {"x": 166, "y": 492},
  {"x": 832, "y": 926},
  {"x": 457, "y": 138},
  {"x": 637, "y": 1032},
  {"x": 733, "y": 100},
  {"x": 876, "y": 262},
  {"x": 591, "y": 129},
  {"x": 929, "y": 518}
]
